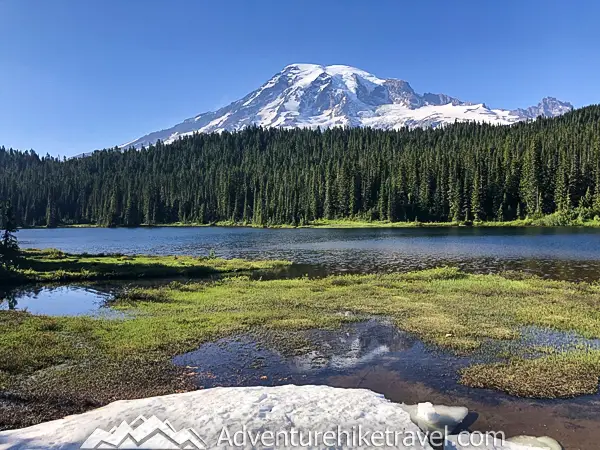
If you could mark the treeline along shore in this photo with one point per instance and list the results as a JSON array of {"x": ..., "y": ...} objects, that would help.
[{"x": 546, "y": 170}]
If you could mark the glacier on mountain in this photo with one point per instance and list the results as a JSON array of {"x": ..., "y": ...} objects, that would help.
[{"x": 311, "y": 95}]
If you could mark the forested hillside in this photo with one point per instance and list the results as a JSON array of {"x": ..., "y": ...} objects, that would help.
[{"x": 270, "y": 176}]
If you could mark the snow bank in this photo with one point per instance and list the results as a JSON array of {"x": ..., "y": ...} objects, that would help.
[
  {"x": 432, "y": 418},
  {"x": 197, "y": 420}
]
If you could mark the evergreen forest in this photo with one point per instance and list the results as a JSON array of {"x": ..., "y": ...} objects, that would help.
[{"x": 466, "y": 172}]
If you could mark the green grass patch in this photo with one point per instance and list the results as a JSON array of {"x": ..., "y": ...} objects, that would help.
[
  {"x": 443, "y": 306},
  {"x": 556, "y": 376},
  {"x": 551, "y": 220},
  {"x": 53, "y": 265}
]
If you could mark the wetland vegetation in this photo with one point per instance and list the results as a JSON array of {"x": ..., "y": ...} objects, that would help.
[
  {"x": 53, "y": 265},
  {"x": 58, "y": 365}
]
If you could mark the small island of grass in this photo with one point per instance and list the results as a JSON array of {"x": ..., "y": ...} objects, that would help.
[{"x": 53, "y": 265}]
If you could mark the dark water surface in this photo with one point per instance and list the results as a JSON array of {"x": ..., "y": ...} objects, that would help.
[
  {"x": 376, "y": 355},
  {"x": 560, "y": 253}
]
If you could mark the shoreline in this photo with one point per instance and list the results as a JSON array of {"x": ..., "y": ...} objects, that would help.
[{"x": 351, "y": 224}]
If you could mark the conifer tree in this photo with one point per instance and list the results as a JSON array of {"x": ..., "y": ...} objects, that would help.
[
  {"x": 562, "y": 198},
  {"x": 476, "y": 196},
  {"x": 51, "y": 213},
  {"x": 9, "y": 247},
  {"x": 530, "y": 179}
]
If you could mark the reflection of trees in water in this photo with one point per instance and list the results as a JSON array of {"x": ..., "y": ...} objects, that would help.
[{"x": 9, "y": 297}]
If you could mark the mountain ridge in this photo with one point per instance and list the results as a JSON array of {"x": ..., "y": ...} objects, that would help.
[{"x": 311, "y": 95}]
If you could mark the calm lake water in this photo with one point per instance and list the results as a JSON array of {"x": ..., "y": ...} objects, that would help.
[
  {"x": 561, "y": 253},
  {"x": 70, "y": 300}
]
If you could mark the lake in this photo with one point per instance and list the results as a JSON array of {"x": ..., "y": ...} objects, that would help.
[{"x": 560, "y": 253}]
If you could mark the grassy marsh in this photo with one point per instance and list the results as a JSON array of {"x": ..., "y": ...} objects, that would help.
[
  {"x": 445, "y": 307},
  {"x": 53, "y": 265},
  {"x": 561, "y": 375},
  {"x": 88, "y": 361}
]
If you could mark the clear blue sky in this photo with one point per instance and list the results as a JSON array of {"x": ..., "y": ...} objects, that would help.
[{"x": 77, "y": 75}]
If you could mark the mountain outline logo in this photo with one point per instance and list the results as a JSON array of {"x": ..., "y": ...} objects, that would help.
[{"x": 143, "y": 433}]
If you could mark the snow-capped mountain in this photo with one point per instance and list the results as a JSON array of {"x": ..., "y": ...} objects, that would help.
[{"x": 310, "y": 95}]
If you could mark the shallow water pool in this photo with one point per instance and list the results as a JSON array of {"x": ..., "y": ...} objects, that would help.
[{"x": 70, "y": 300}]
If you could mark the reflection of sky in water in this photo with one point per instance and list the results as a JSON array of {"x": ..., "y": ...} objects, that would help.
[
  {"x": 332, "y": 350},
  {"x": 374, "y": 355},
  {"x": 60, "y": 301},
  {"x": 361, "y": 349},
  {"x": 351, "y": 358},
  {"x": 566, "y": 253}
]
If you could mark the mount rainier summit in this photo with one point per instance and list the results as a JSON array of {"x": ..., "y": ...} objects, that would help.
[{"x": 310, "y": 95}]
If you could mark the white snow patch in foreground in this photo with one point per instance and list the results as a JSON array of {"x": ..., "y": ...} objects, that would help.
[
  {"x": 307, "y": 409},
  {"x": 436, "y": 418}
]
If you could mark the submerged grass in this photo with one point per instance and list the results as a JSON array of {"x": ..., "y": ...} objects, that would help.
[{"x": 53, "y": 265}]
